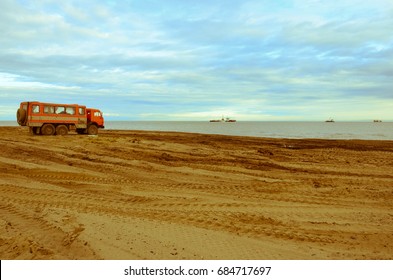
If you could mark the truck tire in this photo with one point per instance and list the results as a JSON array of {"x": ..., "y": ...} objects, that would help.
[
  {"x": 21, "y": 116},
  {"x": 92, "y": 129},
  {"x": 48, "y": 129},
  {"x": 61, "y": 130}
]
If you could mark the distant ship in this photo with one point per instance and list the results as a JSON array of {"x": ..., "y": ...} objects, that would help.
[
  {"x": 329, "y": 120},
  {"x": 223, "y": 120}
]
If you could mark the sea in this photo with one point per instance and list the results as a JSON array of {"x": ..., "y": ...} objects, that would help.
[{"x": 294, "y": 130}]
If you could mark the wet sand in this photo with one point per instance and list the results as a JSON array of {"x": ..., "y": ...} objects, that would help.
[{"x": 162, "y": 195}]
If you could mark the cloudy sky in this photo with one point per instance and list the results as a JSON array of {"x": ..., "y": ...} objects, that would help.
[{"x": 197, "y": 60}]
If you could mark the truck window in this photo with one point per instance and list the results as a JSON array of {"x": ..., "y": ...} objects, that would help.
[
  {"x": 35, "y": 109},
  {"x": 60, "y": 110},
  {"x": 70, "y": 110},
  {"x": 81, "y": 111},
  {"x": 49, "y": 109},
  {"x": 97, "y": 114}
]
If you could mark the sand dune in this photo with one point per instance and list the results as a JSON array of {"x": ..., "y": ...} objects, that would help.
[{"x": 162, "y": 195}]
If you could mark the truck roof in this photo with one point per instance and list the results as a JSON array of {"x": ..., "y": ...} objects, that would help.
[{"x": 53, "y": 104}]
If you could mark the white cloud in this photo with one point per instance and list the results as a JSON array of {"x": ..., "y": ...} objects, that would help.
[
  {"x": 10, "y": 81},
  {"x": 248, "y": 60}
]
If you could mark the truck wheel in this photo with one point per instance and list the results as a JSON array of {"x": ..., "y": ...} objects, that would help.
[
  {"x": 61, "y": 130},
  {"x": 21, "y": 116},
  {"x": 48, "y": 129},
  {"x": 92, "y": 130}
]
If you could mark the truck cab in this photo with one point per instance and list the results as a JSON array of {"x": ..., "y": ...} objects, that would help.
[
  {"x": 95, "y": 120},
  {"x": 95, "y": 116}
]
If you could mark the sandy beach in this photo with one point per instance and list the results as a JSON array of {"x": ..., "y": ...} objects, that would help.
[{"x": 163, "y": 195}]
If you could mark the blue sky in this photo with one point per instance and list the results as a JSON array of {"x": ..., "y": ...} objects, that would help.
[{"x": 198, "y": 60}]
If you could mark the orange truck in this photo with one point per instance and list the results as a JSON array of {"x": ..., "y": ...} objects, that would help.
[{"x": 59, "y": 119}]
